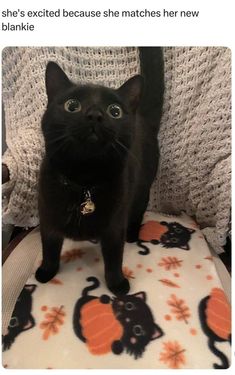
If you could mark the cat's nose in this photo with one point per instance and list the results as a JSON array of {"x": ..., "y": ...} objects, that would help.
[{"x": 94, "y": 115}]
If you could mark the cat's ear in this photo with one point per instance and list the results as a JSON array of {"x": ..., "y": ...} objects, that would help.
[
  {"x": 30, "y": 323},
  {"x": 30, "y": 287},
  {"x": 132, "y": 90},
  {"x": 140, "y": 295},
  {"x": 184, "y": 247},
  {"x": 191, "y": 230},
  {"x": 56, "y": 80},
  {"x": 164, "y": 223},
  {"x": 157, "y": 333}
]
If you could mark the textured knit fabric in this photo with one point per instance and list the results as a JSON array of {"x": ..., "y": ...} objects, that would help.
[
  {"x": 195, "y": 139},
  {"x": 194, "y": 170}
]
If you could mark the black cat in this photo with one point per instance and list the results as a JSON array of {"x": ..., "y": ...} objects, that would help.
[
  {"x": 117, "y": 324},
  {"x": 21, "y": 319},
  {"x": 101, "y": 158},
  {"x": 174, "y": 235}
]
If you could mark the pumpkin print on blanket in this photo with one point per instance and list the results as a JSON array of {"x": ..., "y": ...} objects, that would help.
[
  {"x": 215, "y": 317},
  {"x": 169, "y": 235},
  {"x": 114, "y": 324}
]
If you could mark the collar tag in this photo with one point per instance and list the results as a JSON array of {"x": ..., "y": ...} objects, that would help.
[{"x": 87, "y": 207}]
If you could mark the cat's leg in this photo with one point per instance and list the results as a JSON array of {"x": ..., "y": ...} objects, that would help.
[
  {"x": 112, "y": 243},
  {"x": 137, "y": 212},
  {"x": 51, "y": 249}
]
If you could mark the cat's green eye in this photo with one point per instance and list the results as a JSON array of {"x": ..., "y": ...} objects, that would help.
[
  {"x": 115, "y": 111},
  {"x": 72, "y": 105},
  {"x": 178, "y": 230},
  {"x": 129, "y": 306},
  {"x": 138, "y": 330},
  {"x": 13, "y": 322}
]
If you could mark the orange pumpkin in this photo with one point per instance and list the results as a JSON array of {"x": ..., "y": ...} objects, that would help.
[
  {"x": 99, "y": 326},
  {"x": 152, "y": 230},
  {"x": 218, "y": 313}
]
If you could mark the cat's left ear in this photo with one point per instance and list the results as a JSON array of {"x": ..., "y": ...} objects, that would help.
[
  {"x": 184, "y": 247},
  {"x": 191, "y": 230},
  {"x": 157, "y": 333},
  {"x": 56, "y": 80},
  {"x": 140, "y": 295},
  {"x": 30, "y": 287},
  {"x": 132, "y": 90}
]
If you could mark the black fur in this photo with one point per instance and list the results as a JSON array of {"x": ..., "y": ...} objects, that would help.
[
  {"x": 21, "y": 319},
  {"x": 115, "y": 159}
]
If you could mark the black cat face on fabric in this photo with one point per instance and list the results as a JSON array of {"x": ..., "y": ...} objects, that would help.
[
  {"x": 128, "y": 321},
  {"x": 176, "y": 236},
  {"x": 21, "y": 319},
  {"x": 137, "y": 320},
  {"x": 169, "y": 235}
]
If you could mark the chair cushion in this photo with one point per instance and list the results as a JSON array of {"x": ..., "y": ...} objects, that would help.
[{"x": 175, "y": 316}]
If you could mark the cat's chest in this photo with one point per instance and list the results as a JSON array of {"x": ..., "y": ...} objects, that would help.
[{"x": 82, "y": 215}]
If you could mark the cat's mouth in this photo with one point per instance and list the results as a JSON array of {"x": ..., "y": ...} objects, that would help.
[{"x": 94, "y": 137}]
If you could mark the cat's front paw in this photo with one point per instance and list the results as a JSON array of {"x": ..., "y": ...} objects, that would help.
[
  {"x": 43, "y": 276},
  {"x": 122, "y": 288},
  {"x": 7, "y": 342}
]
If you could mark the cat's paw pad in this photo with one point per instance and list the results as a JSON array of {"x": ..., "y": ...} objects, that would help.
[
  {"x": 122, "y": 288},
  {"x": 43, "y": 276},
  {"x": 105, "y": 299},
  {"x": 117, "y": 347}
]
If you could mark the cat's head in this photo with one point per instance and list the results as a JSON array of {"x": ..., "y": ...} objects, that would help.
[
  {"x": 137, "y": 320},
  {"x": 88, "y": 121},
  {"x": 176, "y": 236}
]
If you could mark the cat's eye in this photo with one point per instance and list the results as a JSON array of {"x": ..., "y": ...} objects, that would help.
[
  {"x": 138, "y": 330},
  {"x": 178, "y": 230},
  {"x": 115, "y": 111},
  {"x": 174, "y": 240},
  {"x": 72, "y": 105},
  {"x": 129, "y": 306},
  {"x": 13, "y": 322}
]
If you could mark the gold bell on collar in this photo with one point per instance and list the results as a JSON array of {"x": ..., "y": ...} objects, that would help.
[{"x": 87, "y": 207}]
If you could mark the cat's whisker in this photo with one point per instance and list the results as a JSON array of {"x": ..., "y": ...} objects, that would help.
[
  {"x": 117, "y": 151},
  {"x": 56, "y": 140},
  {"x": 59, "y": 147},
  {"x": 128, "y": 151}
]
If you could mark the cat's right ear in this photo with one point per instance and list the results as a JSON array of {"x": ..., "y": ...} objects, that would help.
[{"x": 56, "y": 80}]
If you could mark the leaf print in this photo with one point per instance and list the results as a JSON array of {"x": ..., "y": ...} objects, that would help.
[
  {"x": 52, "y": 321},
  {"x": 170, "y": 283},
  {"x": 56, "y": 281},
  {"x": 129, "y": 274},
  {"x": 173, "y": 354},
  {"x": 179, "y": 308},
  {"x": 170, "y": 263},
  {"x": 71, "y": 255}
]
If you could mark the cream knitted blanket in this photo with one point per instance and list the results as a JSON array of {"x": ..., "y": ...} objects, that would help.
[{"x": 194, "y": 170}]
